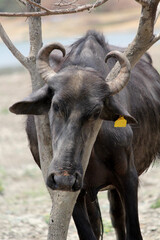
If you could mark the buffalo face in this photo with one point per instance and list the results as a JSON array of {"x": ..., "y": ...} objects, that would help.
[
  {"x": 75, "y": 121},
  {"x": 77, "y": 99}
]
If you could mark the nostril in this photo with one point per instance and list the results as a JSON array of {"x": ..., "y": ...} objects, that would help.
[
  {"x": 53, "y": 180},
  {"x": 51, "y": 183},
  {"x": 78, "y": 182}
]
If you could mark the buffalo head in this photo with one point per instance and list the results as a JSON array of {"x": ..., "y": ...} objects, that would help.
[{"x": 77, "y": 100}]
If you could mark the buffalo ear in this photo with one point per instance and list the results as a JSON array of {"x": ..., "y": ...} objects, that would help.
[
  {"x": 37, "y": 103},
  {"x": 114, "y": 109}
]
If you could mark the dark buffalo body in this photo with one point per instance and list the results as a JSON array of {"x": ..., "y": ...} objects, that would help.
[{"x": 118, "y": 155}]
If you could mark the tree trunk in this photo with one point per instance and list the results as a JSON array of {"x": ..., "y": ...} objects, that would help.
[{"x": 62, "y": 202}]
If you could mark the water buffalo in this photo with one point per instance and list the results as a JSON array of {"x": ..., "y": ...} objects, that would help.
[{"x": 83, "y": 105}]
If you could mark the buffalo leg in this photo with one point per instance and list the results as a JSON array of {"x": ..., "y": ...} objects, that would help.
[
  {"x": 81, "y": 219},
  {"x": 128, "y": 192},
  {"x": 95, "y": 218},
  {"x": 117, "y": 214}
]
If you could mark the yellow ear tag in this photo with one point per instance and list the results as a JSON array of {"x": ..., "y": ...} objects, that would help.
[{"x": 120, "y": 122}]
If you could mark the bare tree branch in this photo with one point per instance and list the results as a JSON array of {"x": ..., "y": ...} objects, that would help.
[
  {"x": 144, "y": 38},
  {"x": 65, "y": 3},
  {"x": 157, "y": 13},
  {"x": 12, "y": 48},
  {"x": 54, "y": 12}
]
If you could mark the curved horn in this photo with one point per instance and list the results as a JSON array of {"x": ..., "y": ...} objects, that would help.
[
  {"x": 43, "y": 66},
  {"x": 122, "y": 78}
]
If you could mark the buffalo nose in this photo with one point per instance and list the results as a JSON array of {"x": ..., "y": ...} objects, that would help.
[{"x": 65, "y": 182}]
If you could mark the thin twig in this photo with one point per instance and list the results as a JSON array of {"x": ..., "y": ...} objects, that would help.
[
  {"x": 12, "y": 48},
  {"x": 65, "y": 3},
  {"x": 38, "y": 5},
  {"x": 60, "y": 2},
  {"x": 23, "y": 2},
  {"x": 54, "y": 12},
  {"x": 93, "y": 6}
]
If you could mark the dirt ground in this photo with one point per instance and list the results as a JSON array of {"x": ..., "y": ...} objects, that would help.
[{"x": 24, "y": 201}]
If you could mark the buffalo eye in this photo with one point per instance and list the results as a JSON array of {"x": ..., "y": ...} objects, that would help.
[
  {"x": 56, "y": 107},
  {"x": 96, "y": 113}
]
